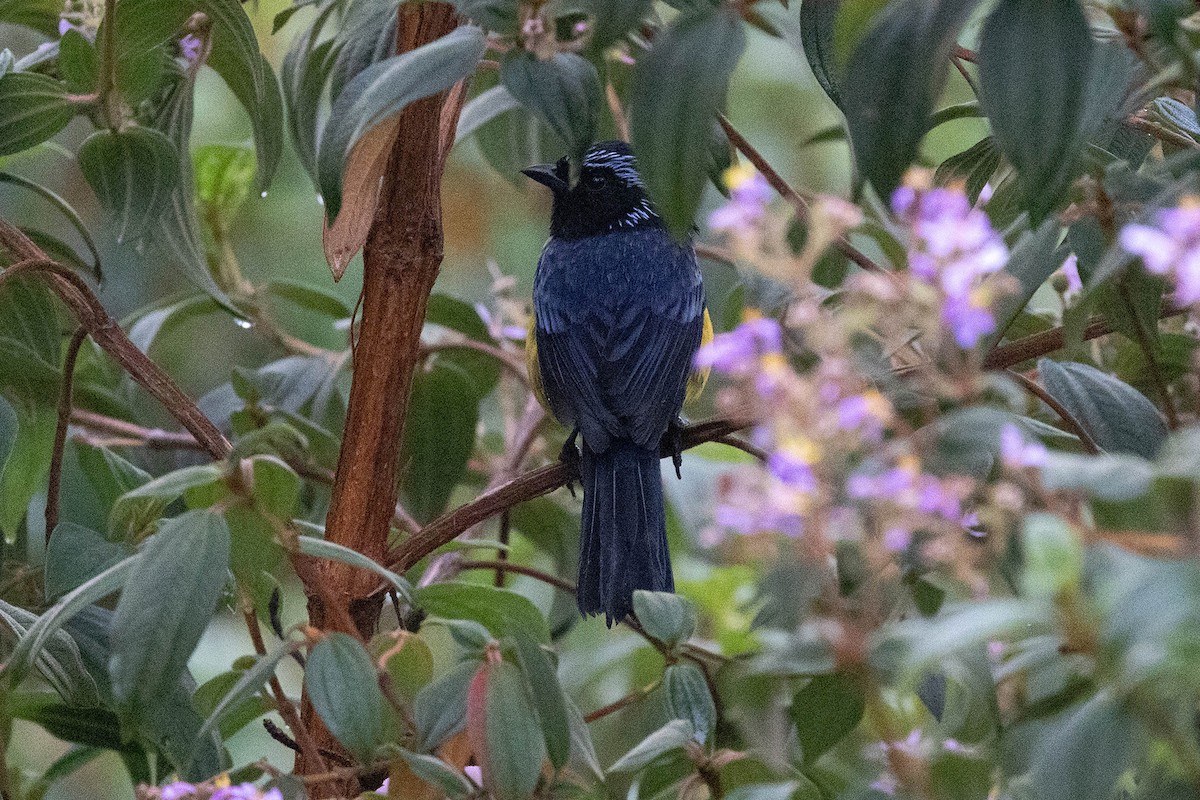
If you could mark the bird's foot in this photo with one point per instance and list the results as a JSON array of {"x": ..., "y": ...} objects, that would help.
[
  {"x": 673, "y": 443},
  {"x": 568, "y": 456}
]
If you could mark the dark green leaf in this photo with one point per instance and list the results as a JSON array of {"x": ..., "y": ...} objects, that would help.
[
  {"x": 893, "y": 81},
  {"x": 440, "y": 709},
  {"x": 548, "y": 698},
  {"x": 670, "y": 738},
  {"x": 667, "y": 617},
  {"x": 439, "y": 436},
  {"x": 500, "y": 16},
  {"x": 305, "y": 69},
  {"x": 247, "y": 685},
  {"x": 132, "y": 171},
  {"x": 1034, "y": 258},
  {"x": 385, "y": 88},
  {"x": 612, "y": 19},
  {"x": 974, "y": 167},
  {"x": 564, "y": 92},
  {"x": 1114, "y": 476},
  {"x": 32, "y": 109},
  {"x": 504, "y": 733},
  {"x": 688, "y": 698},
  {"x": 24, "y": 471},
  {"x": 502, "y": 612},
  {"x": 77, "y": 62},
  {"x": 1118, "y": 417},
  {"x": 172, "y": 592},
  {"x": 825, "y": 710},
  {"x": 320, "y": 548},
  {"x": 30, "y": 340},
  {"x": 1053, "y": 556},
  {"x": 817, "y": 21},
  {"x": 956, "y": 776},
  {"x": 310, "y": 298},
  {"x": 75, "y": 555},
  {"x": 1085, "y": 755},
  {"x": 452, "y": 313},
  {"x": 60, "y": 661},
  {"x": 483, "y": 108},
  {"x": 1036, "y": 48},
  {"x": 678, "y": 89},
  {"x": 344, "y": 687},
  {"x": 137, "y": 508},
  {"x": 94, "y": 727},
  {"x": 41, "y": 15}
]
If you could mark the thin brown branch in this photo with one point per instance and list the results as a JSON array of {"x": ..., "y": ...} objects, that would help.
[
  {"x": 743, "y": 445},
  {"x": 515, "y": 366},
  {"x": 1039, "y": 344},
  {"x": 60, "y": 429},
  {"x": 1162, "y": 134},
  {"x": 287, "y": 710},
  {"x": 520, "y": 569},
  {"x": 155, "y": 438},
  {"x": 106, "y": 333},
  {"x": 535, "y": 483},
  {"x": 1075, "y": 427},
  {"x": 627, "y": 700},
  {"x": 787, "y": 192}
]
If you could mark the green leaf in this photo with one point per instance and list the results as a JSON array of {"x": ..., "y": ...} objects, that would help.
[
  {"x": 32, "y": 109},
  {"x": 564, "y": 92},
  {"x": 667, "y": 617},
  {"x": 223, "y": 176},
  {"x": 172, "y": 592},
  {"x": 612, "y": 19},
  {"x": 41, "y": 15},
  {"x": 1042, "y": 49},
  {"x": 439, "y": 436},
  {"x": 501, "y": 16},
  {"x": 825, "y": 710},
  {"x": 276, "y": 486},
  {"x": 1087, "y": 752},
  {"x": 1110, "y": 476},
  {"x": 1034, "y": 258},
  {"x": 956, "y": 776},
  {"x": 482, "y": 109},
  {"x": 344, "y": 687},
  {"x": 503, "y": 730},
  {"x": 817, "y": 22},
  {"x": 247, "y": 685},
  {"x": 893, "y": 81},
  {"x": 310, "y": 298},
  {"x": 304, "y": 72},
  {"x": 60, "y": 662},
  {"x": 548, "y": 698},
  {"x": 688, "y": 698},
  {"x": 110, "y": 475},
  {"x": 31, "y": 342},
  {"x": 94, "y": 727},
  {"x": 136, "y": 509},
  {"x": 77, "y": 62},
  {"x": 670, "y": 738},
  {"x": 440, "y": 709},
  {"x": 439, "y": 774},
  {"x": 52, "y": 620},
  {"x": 501, "y": 611},
  {"x": 25, "y": 470},
  {"x": 75, "y": 555},
  {"x": 320, "y": 548},
  {"x": 1053, "y": 556},
  {"x": 678, "y": 89},
  {"x": 133, "y": 172},
  {"x": 145, "y": 24},
  {"x": 1118, "y": 417},
  {"x": 381, "y": 90},
  {"x": 974, "y": 167},
  {"x": 457, "y": 315}
]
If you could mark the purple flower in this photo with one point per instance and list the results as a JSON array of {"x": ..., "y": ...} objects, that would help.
[
  {"x": 190, "y": 46},
  {"x": 738, "y": 351},
  {"x": 246, "y": 791},
  {"x": 177, "y": 791},
  {"x": 793, "y": 468},
  {"x": 1070, "y": 269},
  {"x": 1171, "y": 247},
  {"x": 968, "y": 321},
  {"x": 1016, "y": 452},
  {"x": 897, "y": 539},
  {"x": 749, "y": 195}
]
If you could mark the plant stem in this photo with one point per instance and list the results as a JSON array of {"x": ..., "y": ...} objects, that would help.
[
  {"x": 60, "y": 429},
  {"x": 1035, "y": 389}
]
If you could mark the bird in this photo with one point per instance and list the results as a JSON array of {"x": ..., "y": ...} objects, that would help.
[{"x": 619, "y": 313}]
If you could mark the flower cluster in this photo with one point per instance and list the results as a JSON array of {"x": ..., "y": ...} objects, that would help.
[
  {"x": 953, "y": 248},
  {"x": 217, "y": 790},
  {"x": 1170, "y": 247},
  {"x": 749, "y": 194}
]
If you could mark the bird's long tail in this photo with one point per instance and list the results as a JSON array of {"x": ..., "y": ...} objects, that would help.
[{"x": 623, "y": 546}]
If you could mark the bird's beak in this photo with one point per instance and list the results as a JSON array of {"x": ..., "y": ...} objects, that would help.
[{"x": 555, "y": 176}]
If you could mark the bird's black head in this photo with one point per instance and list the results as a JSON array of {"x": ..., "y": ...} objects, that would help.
[{"x": 609, "y": 195}]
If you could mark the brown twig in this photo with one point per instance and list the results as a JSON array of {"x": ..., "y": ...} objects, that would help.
[
  {"x": 627, "y": 700},
  {"x": 512, "y": 363},
  {"x": 744, "y": 446},
  {"x": 798, "y": 201},
  {"x": 1039, "y": 344},
  {"x": 1036, "y": 389},
  {"x": 107, "y": 334},
  {"x": 534, "y": 483},
  {"x": 60, "y": 429},
  {"x": 1162, "y": 134},
  {"x": 150, "y": 437},
  {"x": 520, "y": 569}
]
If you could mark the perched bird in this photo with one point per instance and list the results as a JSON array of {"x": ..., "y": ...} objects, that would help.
[{"x": 619, "y": 313}]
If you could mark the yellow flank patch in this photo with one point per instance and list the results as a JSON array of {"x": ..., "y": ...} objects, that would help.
[
  {"x": 699, "y": 378},
  {"x": 531, "y": 364}
]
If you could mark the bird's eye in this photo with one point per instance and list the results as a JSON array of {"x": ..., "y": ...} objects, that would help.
[{"x": 594, "y": 180}]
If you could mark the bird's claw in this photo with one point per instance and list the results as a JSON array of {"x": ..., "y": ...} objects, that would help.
[
  {"x": 568, "y": 456},
  {"x": 673, "y": 442}
]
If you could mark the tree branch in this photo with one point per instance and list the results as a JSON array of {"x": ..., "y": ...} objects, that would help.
[
  {"x": 107, "y": 334},
  {"x": 60, "y": 429}
]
